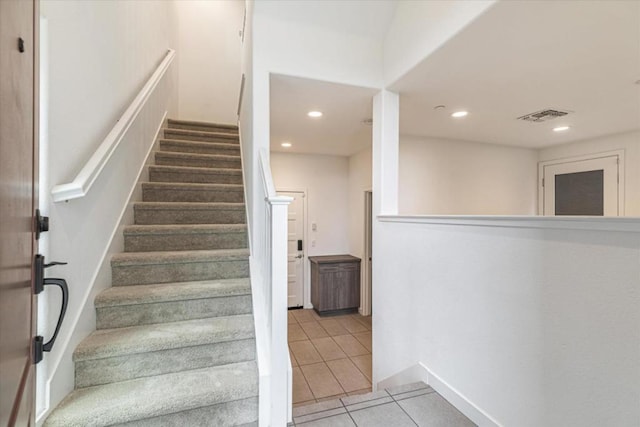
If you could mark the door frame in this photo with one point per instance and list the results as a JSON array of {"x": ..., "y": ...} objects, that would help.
[
  {"x": 306, "y": 268},
  {"x": 367, "y": 280},
  {"x": 595, "y": 156}
]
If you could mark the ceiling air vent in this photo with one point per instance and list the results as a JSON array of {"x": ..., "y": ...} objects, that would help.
[{"x": 543, "y": 115}]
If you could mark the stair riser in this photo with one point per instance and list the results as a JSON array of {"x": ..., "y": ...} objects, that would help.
[
  {"x": 122, "y": 368},
  {"x": 187, "y": 195},
  {"x": 228, "y": 138},
  {"x": 123, "y": 275},
  {"x": 177, "y": 216},
  {"x": 167, "y": 160},
  {"x": 184, "y": 242},
  {"x": 171, "y": 311},
  {"x": 238, "y": 412},
  {"x": 198, "y": 178},
  {"x": 204, "y": 128},
  {"x": 200, "y": 149}
]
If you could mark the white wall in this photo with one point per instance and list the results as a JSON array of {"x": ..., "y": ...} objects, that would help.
[
  {"x": 100, "y": 54},
  {"x": 535, "y": 327},
  {"x": 419, "y": 28},
  {"x": 209, "y": 57},
  {"x": 448, "y": 177},
  {"x": 325, "y": 179},
  {"x": 629, "y": 142}
]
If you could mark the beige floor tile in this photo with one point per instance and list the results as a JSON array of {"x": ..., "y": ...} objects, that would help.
[
  {"x": 315, "y": 315},
  {"x": 360, "y": 392},
  {"x": 364, "y": 338},
  {"x": 349, "y": 345},
  {"x": 337, "y": 396},
  {"x": 364, "y": 364},
  {"x": 308, "y": 402},
  {"x": 332, "y": 327},
  {"x": 301, "y": 390},
  {"x": 294, "y": 362},
  {"x": 321, "y": 381},
  {"x": 352, "y": 325},
  {"x": 348, "y": 375},
  {"x": 303, "y": 315},
  {"x": 304, "y": 352},
  {"x": 313, "y": 329},
  {"x": 296, "y": 333},
  {"x": 367, "y": 320},
  {"x": 290, "y": 318},
  {"x": 328, "y": 349}
]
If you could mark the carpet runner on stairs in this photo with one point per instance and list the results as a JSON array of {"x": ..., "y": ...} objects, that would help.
[{"x": 175, "y": 344}]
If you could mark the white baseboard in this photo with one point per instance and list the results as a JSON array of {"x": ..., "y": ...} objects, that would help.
[{"x": 420, "y": 372}]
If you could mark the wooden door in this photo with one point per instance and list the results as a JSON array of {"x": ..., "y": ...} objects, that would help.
[{"x": 18, "y": 175}]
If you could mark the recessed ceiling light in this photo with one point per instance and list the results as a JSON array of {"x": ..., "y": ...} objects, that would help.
[
  {"x": 286, "y": 144},
  {"x": 314, "y": 114},
  {"x": 459, "y": 114},
  {"x": 560, "y": 128},
  {"x": 439, "y": 107}
]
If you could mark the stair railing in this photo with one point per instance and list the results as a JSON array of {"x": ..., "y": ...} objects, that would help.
[
  {"x": 271, "y": 256},
  {"x": 83, "y": 181}
]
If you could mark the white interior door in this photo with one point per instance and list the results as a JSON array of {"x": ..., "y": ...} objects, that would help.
[
  {"x": 583, "y": 187},
  {"x": 295, "y": 245}
]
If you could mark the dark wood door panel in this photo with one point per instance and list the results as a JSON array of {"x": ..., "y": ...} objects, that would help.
[{"x": 17, "y": 175}]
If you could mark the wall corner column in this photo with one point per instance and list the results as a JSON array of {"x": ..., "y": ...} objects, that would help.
[{"x": 386, "y": 145}]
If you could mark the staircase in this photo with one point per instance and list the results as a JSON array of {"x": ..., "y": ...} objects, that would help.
[{"x": 175, "y": 343}]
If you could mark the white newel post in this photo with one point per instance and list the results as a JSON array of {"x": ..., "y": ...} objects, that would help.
[{"x": 280, "y": 380}]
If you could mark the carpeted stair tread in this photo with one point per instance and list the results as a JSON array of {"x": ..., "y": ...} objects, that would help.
[
  {"x": 190, "y": 205},
  {"x": 174, "y": 122},
  {"x": 177, "y": 146},
  {"x": 199, "y": 135},
  {"x": 196, "y": 159},
  {"x": 154, "y": 396},
  {"x": 170, "y": 229},
  {"x": 177, "y": 291},
  {"x": 147, "y": 213},
  {"x": 192, "y": 192},
  {"x": 192, "y": 186},
  {"x": 177, "y": 257},
  {"x": 162, "y": 336},
  {"x": 182, "y": 237},
  {"x": 201, "y": 173}
]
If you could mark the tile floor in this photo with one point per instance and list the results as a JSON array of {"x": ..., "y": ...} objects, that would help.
[
  {"x": 414, "y": 404},
  {"x": 331, "y": 356}
]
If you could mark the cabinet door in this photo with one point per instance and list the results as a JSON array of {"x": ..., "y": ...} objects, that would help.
[
  {"x": 329, "y": 287},
  {"x": 351, "y": 288}
]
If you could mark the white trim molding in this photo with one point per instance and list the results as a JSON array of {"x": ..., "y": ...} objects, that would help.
[
  {"x": 624, "y": 224},
  {"x": 83, "y": 181}
]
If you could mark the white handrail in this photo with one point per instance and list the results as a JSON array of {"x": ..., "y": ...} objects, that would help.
[{"x": 82, "y": 183}]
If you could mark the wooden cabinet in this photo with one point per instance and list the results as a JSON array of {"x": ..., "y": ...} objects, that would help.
[{"x": 335, "y": 283}]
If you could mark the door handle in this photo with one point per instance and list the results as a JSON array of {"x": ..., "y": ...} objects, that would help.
[
  {"x": 300, "y": 256},
  {"x": 40, "y": 283}
]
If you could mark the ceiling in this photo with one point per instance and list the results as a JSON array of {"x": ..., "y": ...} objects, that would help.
[
  {"x": 515, "y": 59},
  {"x": 339, "y": 131},
  {"x": 522, "y": 57}
]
